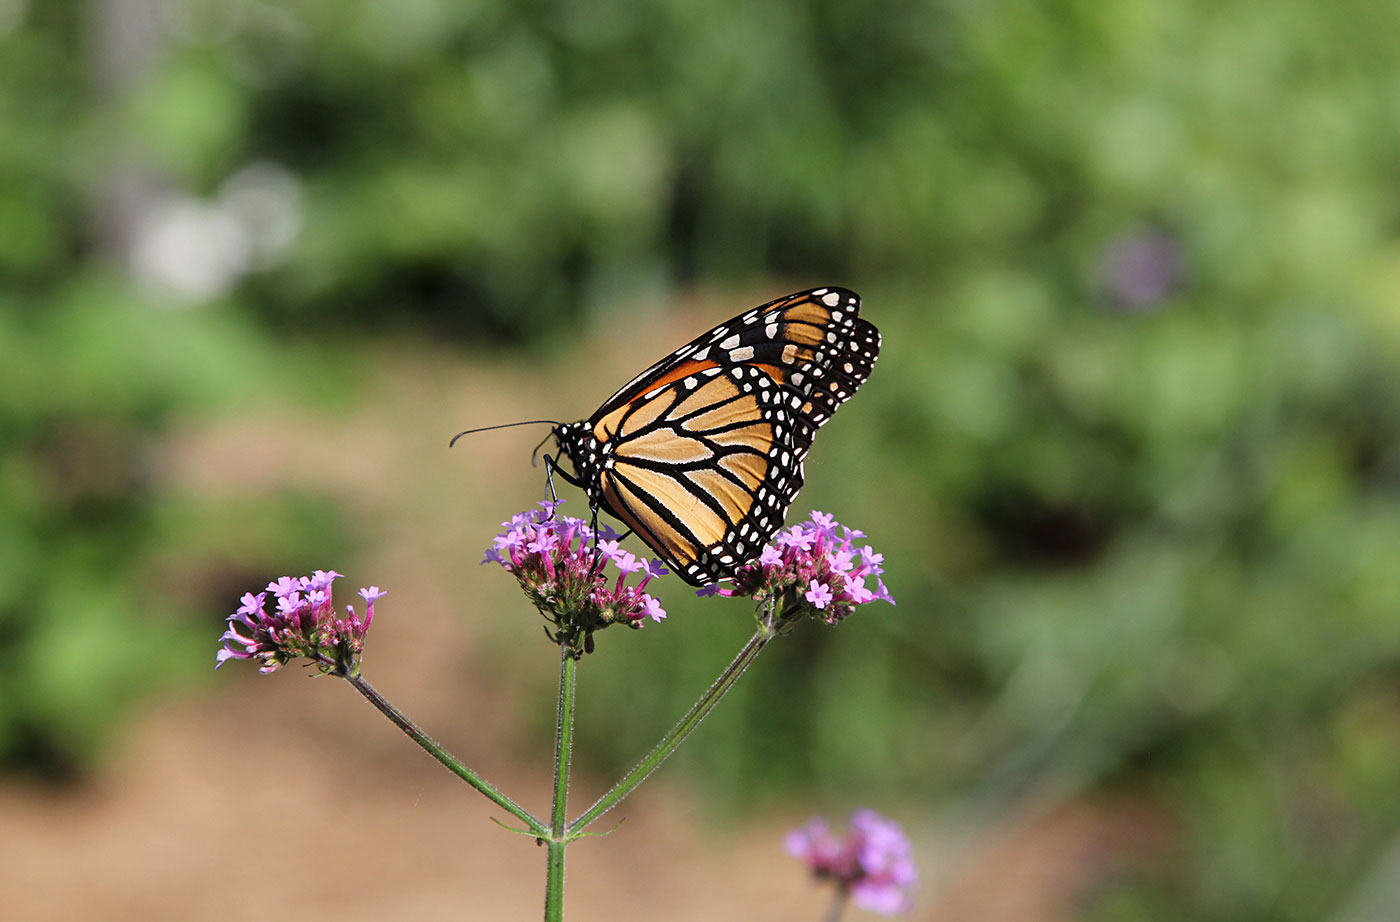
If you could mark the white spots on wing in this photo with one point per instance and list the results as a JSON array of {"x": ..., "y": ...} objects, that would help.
[
  {"x": 831, "y": 299},
  {"x": 730, "y": 342},
  {"x": 742, "y": 354}
]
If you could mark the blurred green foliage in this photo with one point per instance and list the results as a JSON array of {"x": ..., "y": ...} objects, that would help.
[
  {"x": 1132, "y": 450},
  {"x": 90, "y": 614}
]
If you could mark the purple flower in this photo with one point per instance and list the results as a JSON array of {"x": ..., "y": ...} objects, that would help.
[
  {"x": 322, "y": 579},
  {"x": 800, "y": 538},
  {"x": 284, "y": 586},
  {"x": 563, "y": 568},
  {"x": 303, "y": 623},
  {"x": 813, "y": 568},
  {"x": 1140, "y": 270},
  {"x": 873, "y": 862},
  {"x": 652, "y": 609}
]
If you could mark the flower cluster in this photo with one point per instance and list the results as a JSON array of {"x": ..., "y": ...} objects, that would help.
[
  {"x": 815, "y": 569},
  {"x": 302, "y": 623},
  {"x": 562, "y": 566},
  {"x": 872, "y": 863}
]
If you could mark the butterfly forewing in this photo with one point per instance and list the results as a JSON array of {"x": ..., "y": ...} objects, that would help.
[{"x": 701, "y": 454}]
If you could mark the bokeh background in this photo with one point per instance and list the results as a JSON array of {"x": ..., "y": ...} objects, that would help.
[{"x": 1132, "y": 449}]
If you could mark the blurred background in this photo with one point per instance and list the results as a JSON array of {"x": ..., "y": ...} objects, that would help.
[{"x": 1132, "y": 449}]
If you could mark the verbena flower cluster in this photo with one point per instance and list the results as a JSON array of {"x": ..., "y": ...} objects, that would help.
[
  {"x": 303, "y": 622},
  {"x": 817, "y": 567},
  {"x": 872, "y": 862},
  {"x": 564, "y": 572}
]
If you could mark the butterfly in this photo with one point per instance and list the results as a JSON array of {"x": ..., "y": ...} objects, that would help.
[{"x": 702, "y": 454}]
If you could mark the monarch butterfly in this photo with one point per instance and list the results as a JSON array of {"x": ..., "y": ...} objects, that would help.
[{"x": 701, "y": 454}]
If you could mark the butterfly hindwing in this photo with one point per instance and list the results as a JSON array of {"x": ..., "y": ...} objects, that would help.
[
  {"x": 706, "y": 477},
  {"x": 702, "y": 453}
]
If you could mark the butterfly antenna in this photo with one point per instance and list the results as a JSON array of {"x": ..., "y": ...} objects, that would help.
[
  {"x": 528, "y": 422},
  {"x": 534, "y": 454}
]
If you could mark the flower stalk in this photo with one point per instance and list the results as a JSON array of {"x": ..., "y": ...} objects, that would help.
[
  {"x": 687, "y": 724},
  {"x": 839, "y": 898},
  {"x": 435, "y": 749},
  {"x": 559, "y": 838},
  {"x": 811, "y": 570},
  {"x": 304, "y": 624}
]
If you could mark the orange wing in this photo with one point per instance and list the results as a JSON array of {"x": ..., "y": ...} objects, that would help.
[{"x": 702, "y": 453}]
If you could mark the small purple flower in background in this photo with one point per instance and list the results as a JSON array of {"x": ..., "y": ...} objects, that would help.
[
  {"x": 1141, "y": 269},
  {"x": 814, "y": 568},
  {"x": 564, "y": 573},
  {"x": 872, "y": 863},
  {"x": 303, "y": 622}
]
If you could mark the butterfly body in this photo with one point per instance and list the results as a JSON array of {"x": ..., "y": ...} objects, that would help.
[{"x": 702, "y": 454}]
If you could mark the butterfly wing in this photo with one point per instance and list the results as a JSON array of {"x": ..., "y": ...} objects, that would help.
[{"x": 702, "y": 453}]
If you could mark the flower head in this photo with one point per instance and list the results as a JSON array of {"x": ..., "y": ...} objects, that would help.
[
  {"x": 303, "y": 622},
  {"x": 1140, "y": 270},
  {"x": 872, "y": 862},
  {"x": 815, "y": 568},
  {"x": 563, "y": 568}
]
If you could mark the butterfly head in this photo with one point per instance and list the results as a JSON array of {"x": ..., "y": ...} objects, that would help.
[{"x": 577, "y": 443}]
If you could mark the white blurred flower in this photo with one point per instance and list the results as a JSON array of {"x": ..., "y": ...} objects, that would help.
[
  {"x": 190, "y": 250},
  {"x": 193, "y": 250},
  {"x": 265, "y": 199}
]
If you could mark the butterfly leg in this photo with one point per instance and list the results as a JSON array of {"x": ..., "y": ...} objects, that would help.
[
  {"x": 551, "y": 467},
  {"x": 596, "y": 553},
  {"x": 549, "y": 480}
]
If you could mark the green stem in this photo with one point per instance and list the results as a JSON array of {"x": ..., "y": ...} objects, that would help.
[
  {"x": 766, "y": 632},
  {"x": 435, "y": 749},
  {"x": 838, "y": 903},
  {"x": 559, "y": 838}
]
